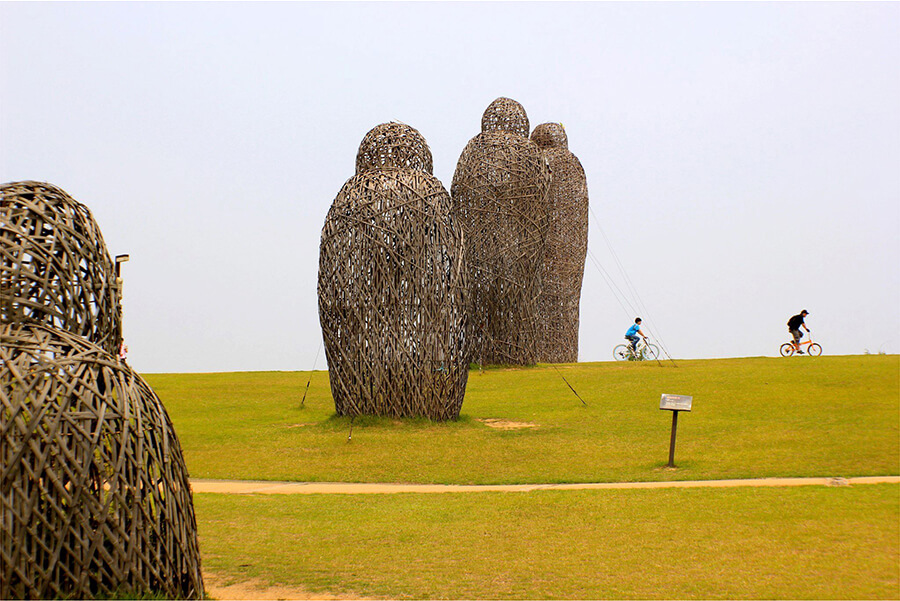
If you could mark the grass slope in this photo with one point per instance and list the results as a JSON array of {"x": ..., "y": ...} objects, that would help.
[
  {"x": 758, "y": 543},
  {"x": 754, "y": 417}
]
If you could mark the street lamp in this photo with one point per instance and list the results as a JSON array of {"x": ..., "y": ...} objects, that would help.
[{"x": 123, "y": 350}]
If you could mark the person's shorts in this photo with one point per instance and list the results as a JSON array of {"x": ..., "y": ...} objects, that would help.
[
  {"x": 634, "y": 340},
  {"x": 797, "y": 334}
]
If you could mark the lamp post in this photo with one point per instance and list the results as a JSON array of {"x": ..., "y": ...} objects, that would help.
[{"x": 123, "y": 350}]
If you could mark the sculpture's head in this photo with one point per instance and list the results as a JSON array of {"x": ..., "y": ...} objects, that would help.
[
  {"x": 505, "y": 115},
  {"x": 394, "y": 145},
  {"x": 550, "y": 135}
]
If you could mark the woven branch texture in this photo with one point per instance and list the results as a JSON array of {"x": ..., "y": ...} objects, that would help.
[
  {"x": 500, "y": 197},
  {"x": 392, "y": 285},
  {"x": 96, "y": 499},
  {"x": 54, "y": 265},
  {"x": 565, "y": 249}
]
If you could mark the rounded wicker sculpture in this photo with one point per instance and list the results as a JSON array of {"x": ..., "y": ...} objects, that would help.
[
  {"x": 500, "y": 198},
  {"x": 392, "y": 285},
  {"x": 566, "y": 247},
  {"x": 96, "y": 500},
  {"x": 54, "y": 265}
]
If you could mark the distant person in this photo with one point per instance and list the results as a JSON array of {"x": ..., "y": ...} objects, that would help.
[
  {"x": 794, "y": 324},
  {"x": 632, "y": 333}
]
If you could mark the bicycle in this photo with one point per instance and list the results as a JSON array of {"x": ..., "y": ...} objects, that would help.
[
  {"x": 645, "y": 352},
  {"x": 813, "y": 349}
]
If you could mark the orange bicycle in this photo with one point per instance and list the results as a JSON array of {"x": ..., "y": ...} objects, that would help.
[{"x": 812, "y": 348}]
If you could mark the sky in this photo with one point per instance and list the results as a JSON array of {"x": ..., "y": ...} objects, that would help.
[{"x": 743, "y": 159}]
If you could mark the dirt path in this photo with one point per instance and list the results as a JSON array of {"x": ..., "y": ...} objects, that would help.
[
  {"x": 312, "y": 488},
  {"x": 253, "y": 589},
  {"x": 256, "y": 589}
]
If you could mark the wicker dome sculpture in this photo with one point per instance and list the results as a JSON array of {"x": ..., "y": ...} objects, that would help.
[
  {"x": 392, "y": 287},
  {"x": 500, "y": 197},
  {"x": 54, "y": 265},
  {"x": 96, "y": 499},
  {"x": 565, "y": 249}
]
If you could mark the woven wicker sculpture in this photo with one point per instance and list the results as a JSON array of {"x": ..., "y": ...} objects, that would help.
[
  {"x": 500, "y": 197},
  {"x": 54, "y": 266},
  {"x": 566, "y": 247},
  {"x": 392, "y": 285},
  {"x": 96, "y": 499}
]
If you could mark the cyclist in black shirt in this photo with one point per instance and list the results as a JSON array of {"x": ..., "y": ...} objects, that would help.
[{"x": 794, "y": 324}]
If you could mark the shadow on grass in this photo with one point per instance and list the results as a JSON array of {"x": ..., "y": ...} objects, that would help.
[
  {"x": 343, "y": 422},
  {"x": 475, "y": 367}
]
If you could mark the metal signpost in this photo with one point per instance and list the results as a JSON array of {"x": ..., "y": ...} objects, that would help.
[{"x": 674, "y": 403}]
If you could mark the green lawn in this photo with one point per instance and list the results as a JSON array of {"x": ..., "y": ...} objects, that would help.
[
  {"x": 754, "y": 417},
  {"x": 749, "y": 543}
]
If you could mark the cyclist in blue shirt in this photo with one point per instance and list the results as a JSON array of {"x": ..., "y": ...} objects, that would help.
[{"x": 632, "y": 333}]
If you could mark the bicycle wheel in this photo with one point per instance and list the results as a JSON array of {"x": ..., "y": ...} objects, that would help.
[
  {"x": 651, "y": 351},
  {"x": 814, "y": 349},
  {"x": 621, "y": 352},
  {"x": 787, "y": 349}
]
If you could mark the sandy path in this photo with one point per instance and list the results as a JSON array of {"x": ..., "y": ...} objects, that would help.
[{"x": 310, "y": 488}]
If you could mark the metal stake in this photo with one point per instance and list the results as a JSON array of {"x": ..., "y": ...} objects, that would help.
[{"x": 672, "y": 442}]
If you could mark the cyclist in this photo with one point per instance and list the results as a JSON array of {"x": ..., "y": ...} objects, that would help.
[
  {"x": 794, "y": 324},
  {"x": 632, "y": 334}
]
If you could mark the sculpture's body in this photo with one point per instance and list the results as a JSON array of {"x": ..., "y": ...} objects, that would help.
[
  {"x": 54, "y": 266},
  {"x": 95, "y": 495},
  {"x": 499, "y": 196},
  {"x": 96, "y": 498},
  {"x": 392, "y": 285},
  {"x": 566, "y": 247}
]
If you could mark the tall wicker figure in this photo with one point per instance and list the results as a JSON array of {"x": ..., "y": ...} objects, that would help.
[
  {"x": 566, "y": 247},
  {"x": 96, "y": 499},
  {"x": 392, "y": 285},
  {"x": 500, "y": 196},
  {"x": 54, "y": 266}
]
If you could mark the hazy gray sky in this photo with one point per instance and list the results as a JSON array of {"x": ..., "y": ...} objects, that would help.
[{"x": 743, "y": 159}]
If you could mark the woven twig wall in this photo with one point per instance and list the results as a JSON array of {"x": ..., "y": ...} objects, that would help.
[
  {"x": 500, "y": 198},
  {"x": 566, "y": 247},
  {"x": 96, "y": 499},
  {"x": 392, "y": 285},
  {"x": 54, "y": 266}
]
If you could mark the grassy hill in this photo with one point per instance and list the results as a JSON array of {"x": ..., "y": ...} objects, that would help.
[{"x": 753, "y": 417}]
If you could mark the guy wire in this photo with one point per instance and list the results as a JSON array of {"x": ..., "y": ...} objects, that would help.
[
  {"x": 569, "y": 385},
  {"x": 629, "y": 285},
  {"x": 303, "y": 400}
]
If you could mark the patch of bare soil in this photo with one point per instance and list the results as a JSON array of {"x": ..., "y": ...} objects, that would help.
[
  {"x": 503, "y": 424},
  {"x": 256, "y": 589}
]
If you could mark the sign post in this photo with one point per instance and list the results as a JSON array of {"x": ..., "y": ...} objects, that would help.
[{"x": 674, "y": 403}]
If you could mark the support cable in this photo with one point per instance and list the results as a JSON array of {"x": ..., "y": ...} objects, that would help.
[
  {"x": 303, "y": 400},
  {"x": 617, "y": 292},
  {"x": 569, "y": 385}
]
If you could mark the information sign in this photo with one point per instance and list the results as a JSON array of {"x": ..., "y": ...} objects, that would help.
[{"x": 675, "y": 402}]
